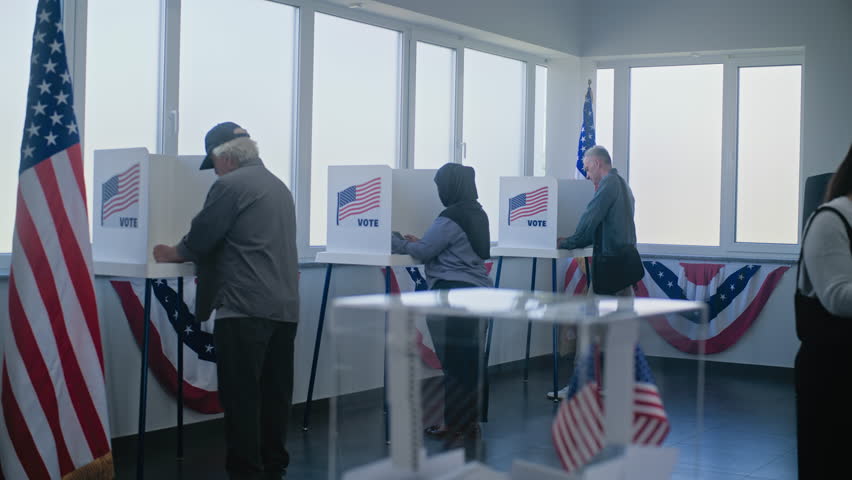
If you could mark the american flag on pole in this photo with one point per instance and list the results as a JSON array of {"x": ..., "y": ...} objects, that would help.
[
  {"x": 120, "y": 193},
  {"x": 359, "y": 199},
  {"x": 578, "y": 432},
  {"x": 587, "y": 133},
  {"x": 528, "y": 204},
  {"x": 54, "y": 411}
]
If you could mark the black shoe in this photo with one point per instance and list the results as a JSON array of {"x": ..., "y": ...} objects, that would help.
[{"x": 274, "y": 473}]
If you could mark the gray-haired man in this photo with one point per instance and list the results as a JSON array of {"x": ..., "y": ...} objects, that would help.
[
  {"x": 244, "y": 243},
  {"x": 607, "y": 225}
]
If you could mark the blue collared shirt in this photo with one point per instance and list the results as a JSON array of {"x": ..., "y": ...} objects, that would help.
[{"x": 609, "y": 213}]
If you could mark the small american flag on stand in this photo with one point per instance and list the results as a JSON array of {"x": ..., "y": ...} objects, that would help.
[
  {"x": 528, "y": 204},
  {"x": 53, "y": 409},
  {"x": 359, "y": 199},
  {"x": 578, "y": 433},
  {"x": 120, "y": 192}
]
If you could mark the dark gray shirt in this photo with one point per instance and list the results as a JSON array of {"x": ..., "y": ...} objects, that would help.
[
  {"x": 608, "y": 211},
  {"x": 245, "y": 236},
  {"x": 446, "y": 254}
]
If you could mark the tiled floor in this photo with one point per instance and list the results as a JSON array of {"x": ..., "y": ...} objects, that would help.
[{"x": 748, "y": 430}]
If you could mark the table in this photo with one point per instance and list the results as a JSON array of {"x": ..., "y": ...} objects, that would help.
[{"x": 617, "y": 316}]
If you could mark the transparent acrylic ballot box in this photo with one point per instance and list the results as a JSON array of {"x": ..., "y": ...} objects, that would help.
[{"x": 404, "y": 364}]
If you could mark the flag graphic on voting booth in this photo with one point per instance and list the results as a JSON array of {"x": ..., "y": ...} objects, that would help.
[
  {"x": 359, "y": 199},
  {"x": 528, "y": 204},
  {"x": 535, "y": 211},
  {"x": 368, "y": 202},
  {"x": 120, "y": 196}
]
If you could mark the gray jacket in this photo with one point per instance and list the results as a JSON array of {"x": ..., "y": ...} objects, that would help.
[
  {"x": 244, "y": 243},
  {"x": 446, "y": 253},
  {"x": 607, "y": 222}
]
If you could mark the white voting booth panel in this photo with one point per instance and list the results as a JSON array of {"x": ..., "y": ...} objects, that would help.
[
  {"x": 141, "y": 200},
  {"x": 535, "y": 211},
  {"x": 367, "y": 203}
]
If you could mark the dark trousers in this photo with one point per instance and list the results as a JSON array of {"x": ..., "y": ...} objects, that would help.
[
  {"x": 458, "y": 344},
  {"x": 254, "y": 363},
  {"x": 823, "y": 419}
]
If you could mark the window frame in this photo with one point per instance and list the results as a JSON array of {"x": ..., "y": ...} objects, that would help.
[
  {"x": 728, "y": 247},
  {"x": 411, "y": 31}
]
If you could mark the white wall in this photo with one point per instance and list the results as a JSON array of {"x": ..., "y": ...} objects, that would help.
[
  {"x": 549, "y": 23},
  {"x": 564, "y": 115},
  {"x": 627, "y": 27}
]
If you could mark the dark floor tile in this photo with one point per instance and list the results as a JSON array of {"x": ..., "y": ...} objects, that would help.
[
  {"x": 783, "y": 467},
  {"x": 748, "y": 428}
]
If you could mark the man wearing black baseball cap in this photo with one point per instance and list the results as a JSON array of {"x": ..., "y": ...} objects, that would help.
[
  {"x": 222, "y": 133},
  {"x": 244, "y": 245}
]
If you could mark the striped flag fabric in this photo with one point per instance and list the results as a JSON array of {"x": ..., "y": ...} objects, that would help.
[
  {"x": 120, "y": 192},
  {"x": 52, "y": 396},
  {"x": 359, "y": 199},
  {"x": 528, "y": 204},
  {"x": 578, "y": 433},
  {"x": 735, "y": 294}
]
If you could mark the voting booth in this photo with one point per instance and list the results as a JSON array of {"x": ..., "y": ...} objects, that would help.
[
  {"x": 367, "y": 203},
  {"x": 141, "y": 200},
  {"x": 535, "y": 211},
  {"x": 612, "y": 425}
]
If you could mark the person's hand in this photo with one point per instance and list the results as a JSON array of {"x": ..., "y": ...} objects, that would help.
[
  {"x": 166, "y": 254},
  {"x": 411, "y": 238},
  {"x": 559, "y": 242}
]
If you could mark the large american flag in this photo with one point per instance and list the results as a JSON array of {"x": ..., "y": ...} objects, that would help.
[
  {"x": 359, "y": 199},
  {"x": 120, "y": 192},
  {"x": 528, "y": 204},
  {"x": 578, "y": 432},
  {"x": 587, "y": 133},
  {"x": 52, "y": 393}
]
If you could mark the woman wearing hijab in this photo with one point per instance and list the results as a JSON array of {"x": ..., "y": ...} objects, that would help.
[{"x": 454, "y": 250}]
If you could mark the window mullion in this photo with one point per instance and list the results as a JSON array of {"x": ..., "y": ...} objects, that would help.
[
  {"x": 304, "y": 126},
  {"x": 169, "y": 78},
  {"x": 728, "y": 208},
  {"x": 528, "y": 160}
]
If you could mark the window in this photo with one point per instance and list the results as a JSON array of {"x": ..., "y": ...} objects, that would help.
[
  {"x": 493, "y": 123},
  {"x": 233, "y": 77},
  {"x": 713, "y": 148},
  {"x": 16, "y": 36},
  {"x": 434, "y": 108},
  {"x": 121, "y": 83},
  {"x": 237, "y": 77},
  {"x": 603, "y": 97},
  {"x": 675, "y": 153},
  {"x": 768, "y": 135},
  {"x": 540, "y": 143},
  {"x": 355, "y": 104}
]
